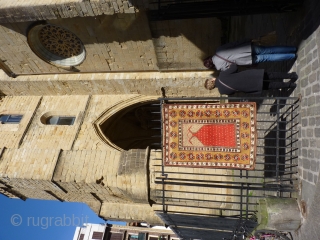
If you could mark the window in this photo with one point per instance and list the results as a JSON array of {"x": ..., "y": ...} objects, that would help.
[
  {"x": 56, "y": 45},
  {"x": 161, "y": 237},
  {"x": 58, "y": 120},
  {"x": 115, "y": 236},
  {"x": 133, "y": 237},
  {"x": 97, "y": 235},
  {"x": 10, "y": 119}
]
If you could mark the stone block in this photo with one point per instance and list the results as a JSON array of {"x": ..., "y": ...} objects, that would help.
[
  {"x": 317, "y": 132},
  {"x": 306, "y": 163}
]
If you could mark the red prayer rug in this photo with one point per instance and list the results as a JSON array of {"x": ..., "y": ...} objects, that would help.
[{"x": 210, "y": 135}]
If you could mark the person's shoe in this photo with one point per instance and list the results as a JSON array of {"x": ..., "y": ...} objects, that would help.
[
  {"x": 293, "y": 76},
  {"x": 293, "y": 85}
]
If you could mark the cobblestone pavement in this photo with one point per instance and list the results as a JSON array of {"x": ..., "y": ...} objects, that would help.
[{"x": 302, "y": 29}]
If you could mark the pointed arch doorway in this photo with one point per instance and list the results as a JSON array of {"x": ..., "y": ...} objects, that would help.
[{"x": 131, "y": 124}]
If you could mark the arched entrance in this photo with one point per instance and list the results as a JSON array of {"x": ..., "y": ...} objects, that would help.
[{"x": 132, "y": 124}]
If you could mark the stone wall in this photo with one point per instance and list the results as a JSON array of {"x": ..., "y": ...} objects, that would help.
[
  {"x": 174, "y": 84},
  {"x": 129, "y": 212},
  {"x": 28, "y": 10},
  {"x": 68, "y": 163},
  {"x": 183, "y": 44},
  {"x": 35, "y": 164},
  {"x": 112, "y": 43},
  {"x": 117, "y": 43},
  {"x": 29, "y": 171},
  {"x": 71, "y": 163},
  {"x": 87, "y": 139},
  {"x": 43, "y": 136},
  {"x": 11, "y": 135}
]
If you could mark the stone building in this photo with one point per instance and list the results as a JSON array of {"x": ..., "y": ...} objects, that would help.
[
  {"x": 77, "y": 85},
  {"x": 119, "y": 232},
  {"x": 79, "y": 106}
]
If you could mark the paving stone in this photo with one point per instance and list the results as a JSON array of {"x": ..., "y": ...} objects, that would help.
[
  {"x": 316, "y": 89},
  {"x": 305, "y": 174},
  {"x": 306, "y": 163},
  {"x": 310, "y": 177},
  {"x": 305, "y": 142},
  {"x": 303, "y": 133},
  {"x": 304, "y": 152},
  {"x": 317, "y": 132},
  {"x": 304, "y": 122},
  {"x": 309, "y": 56},
  {"x": 311, "y": 100},
  {"x": 312, "y": 121},
  {"x": 304, "y": 82},
  {"x": 309, "y": 133},
  {"x": 313, "y": 143},
  {"x": 315, "y": 65},
  {"x": 314, "y": 165},
  {"x": 313, "y": 77},
  {"x": 315, "y": 54},
  {"x": 316, "y": 152},
  {"x": 308, "y": 90},
  {"x": 311, "y": 153}
]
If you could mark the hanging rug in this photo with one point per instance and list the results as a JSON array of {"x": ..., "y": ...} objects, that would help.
[{"x": 210, "y": 135}]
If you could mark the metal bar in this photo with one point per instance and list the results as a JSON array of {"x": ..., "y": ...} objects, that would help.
[
  {"x": 273, "y": 147},
  {"x": 275, "y": 187},
  {"x": 162, "y": 165},
  {"x": 260, "y": 129},
  {"x": 228, "y": 98},
  {"x": 268, "y": 113},
  {"x": 277, "y": 143},
  {"x": 201, "y": 214},
  {"x": 217, "y": 175},
  {"x": 211, "y": 201},
  {"x": 247, "y": 203},
  {"x": 215, "y": 194},
  {"x": 267, "y": 121},
  {"x": 241, "y": 193},
  {"x": 168, "y": 180},
  {"x": 261, "y": 138},
  {"x": 283, "y": 180},
  {"x": 270, "y": 155},
  {"x": 204, "y": 207}
]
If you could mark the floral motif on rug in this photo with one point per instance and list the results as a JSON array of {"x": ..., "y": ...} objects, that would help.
[{"x": 210, "y": 135}]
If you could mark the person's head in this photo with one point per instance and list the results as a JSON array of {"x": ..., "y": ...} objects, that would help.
[
  {"x": 210, "y": 83},
  {"x": 208, "y": 62}
]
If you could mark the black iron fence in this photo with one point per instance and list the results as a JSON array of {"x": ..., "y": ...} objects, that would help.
[{"x": 275, "y": 175}]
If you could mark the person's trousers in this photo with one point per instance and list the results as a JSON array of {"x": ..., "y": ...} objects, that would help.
[
  {"x": 269, "y": 77},
  {"x": 272, "y": 53}
]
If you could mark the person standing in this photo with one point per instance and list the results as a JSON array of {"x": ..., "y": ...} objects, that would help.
[
  {"x": 247, "y": 53},
  {"x": 249, "y": 81}
]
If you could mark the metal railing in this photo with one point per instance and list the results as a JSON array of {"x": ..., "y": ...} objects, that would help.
[{"x": 275, "y": 174}]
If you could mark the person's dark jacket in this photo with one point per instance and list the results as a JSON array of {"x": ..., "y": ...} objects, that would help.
[{"x": 248, "y": 81}]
